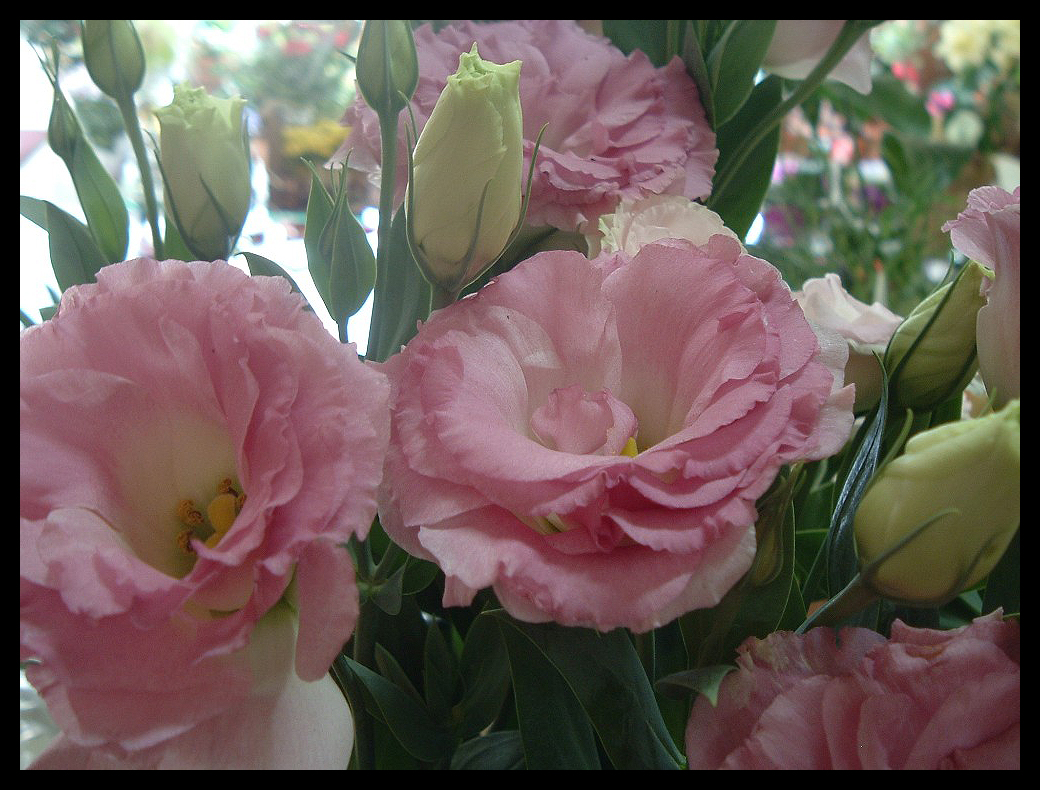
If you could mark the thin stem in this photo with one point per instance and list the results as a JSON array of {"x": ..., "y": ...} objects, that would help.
[{"x": 133, "y": 130}]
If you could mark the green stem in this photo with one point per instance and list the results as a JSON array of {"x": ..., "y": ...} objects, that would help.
[
  {"x": 849, "y": 35},
  {"x": 387, "y": 188},
  {"x": 133, "y": 130}
]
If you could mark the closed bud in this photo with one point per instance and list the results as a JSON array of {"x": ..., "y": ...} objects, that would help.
[
  {"x": 205, "y": 165},
  {"x": 387, "y": 67},
  {"x": 465, "y": 194},
  {"x": 936, "y": 520},
  {"x": 113, "y": 56},
  {"x": 64, "y": 133},
  {"x": 932, "y": 356}
]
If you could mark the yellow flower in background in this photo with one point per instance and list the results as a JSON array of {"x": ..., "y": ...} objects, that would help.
[{"x": 320, "y": 139}]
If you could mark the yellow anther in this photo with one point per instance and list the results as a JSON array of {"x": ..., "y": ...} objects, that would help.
[
  {"x": 225, "y": 486},
  {"x": 221, "y": 513},
  {"x": 630, "y": 449},
  {"x": 184, "y": 541},
  {"x": 240, "y": 502},
  {"x": 188, "y": 514}
]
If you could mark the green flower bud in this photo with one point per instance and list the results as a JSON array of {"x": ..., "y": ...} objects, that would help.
[
  {"x": 114, "y": 56},
  {"x": 465, "y": 194},
  {"x": 205, "y": 165},
  {"x": 931, "y": 357},
  {"x": 64, "y": 134},
  {"x": 387, "y": 67},
  {"x": 960, "y": 479}
]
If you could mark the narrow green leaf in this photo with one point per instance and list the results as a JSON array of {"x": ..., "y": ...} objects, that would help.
[
  {"x": 75, "y": 257},
  {"x": 735, "y": 61},
  {"x": 439, "y": 673},
  {"x": 418, "y": 575},
  {"x": 484, "y": 668},
  {"x": 605, "y": 675},
  {"x": 390, "y": 669},
  {"x": 387, "y": 595},
  {"x": 102, "y": 202},
  {"x": 693, "y": 59},
  {"x": 34, "y": 210},
  {"x": 740, "y": 201},
  {"x": 555, "y": 730},
  {"x": 407, "y": 720},
  {"x": 496, "y": 751}
]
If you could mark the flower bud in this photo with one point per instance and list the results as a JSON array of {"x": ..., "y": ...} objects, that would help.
[
  {"x": 114, "y": 57},
  {"x": 931, "y": 356},
  {"x": 205, "y": 165},
  {"x": 963, "y": 478},
  {"x": 465, "y": 195},
  {"x": 387, "y": 67}
]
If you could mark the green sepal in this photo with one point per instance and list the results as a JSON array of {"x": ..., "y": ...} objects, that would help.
[
  {"x": 319, "y": 210},
  {"x": 349, "y": 256},
  {"x": 734, "y": 62},
  {"x": 705, "y": 680}
]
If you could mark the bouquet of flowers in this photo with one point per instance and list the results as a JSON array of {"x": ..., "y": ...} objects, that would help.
[{"x": 601, "y": 492}]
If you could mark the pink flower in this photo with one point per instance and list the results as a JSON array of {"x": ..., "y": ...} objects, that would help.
[
  {"x": 589, "y": 438},
  {"x": 617, "y": 126},
  {"x": 989, "y": 231},
  {"x": 866, "y": 328},
  {"x": 195, "y": 449},
  {"x": 799, "y": 44},
  {"x": 923, "y": 699}
]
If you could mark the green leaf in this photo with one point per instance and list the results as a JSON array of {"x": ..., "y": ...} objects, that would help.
[
  {"x": 387, "y": 595},
  {"x": 408, "y": 721},
  {"x": 440, "y": 673},
  {"x": 693, "y": 59},
  {"x": 102, "y": 203},
  {"x": 496, "y": 751},
  {"x": 75, "y": 257},
  {"x": 259, "y": 265},
  {"x": 405, "y": 296},
  {"x": 705, "y": 680},
  {"x": 484, "y": 668},
  {"x": 740, "y": 201},
  {"x": 734, "y": 62},
  {"x": 649, "y": 35},
  {"x": 604, "y": 674},
  {"x": 1004, "y": 585},
  {"x": 554, "y": 729},
  {"x": 418, "y": 575},
  {"x": 390, "y": 669}
]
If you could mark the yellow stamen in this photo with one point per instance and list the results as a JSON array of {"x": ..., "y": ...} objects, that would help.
[
  {"x": 630, "y": 449},
  {"x": 188, "y": 514},
  {"x": 184, "y": 541},
  {"x": 221, "y": 513},
  {"x": 240, "y": 502},
  {"x": 225, "y": 486}
]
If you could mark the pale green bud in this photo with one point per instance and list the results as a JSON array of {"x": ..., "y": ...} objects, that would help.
[
  {"x": 931, "y": 357},
  {"x": 387, "y": 67},
  {"x": 205, "y": 165},
  {"x": 962, "y": 480},
  {"x": 114, "y": 57},
  {"x": 465, "y": 195}
]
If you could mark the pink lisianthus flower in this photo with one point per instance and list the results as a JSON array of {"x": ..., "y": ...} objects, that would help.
[
  {"x": 798, "y": 45},
  {"x": 923, "y": 699},
  {"x": 989, "y": 231},
  {"x": 195, "y": 449},
  {"x": 617, "y": 126},
  {"x": 866, "y": 328},
  {"x": 589, "y": 437}
]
